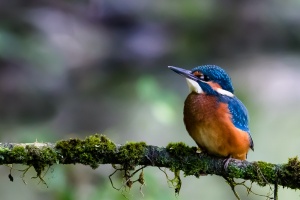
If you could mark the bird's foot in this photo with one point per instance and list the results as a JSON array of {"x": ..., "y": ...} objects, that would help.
[
  {"x": 226, "y": 162},
  {"x": 198, "y": 150}
]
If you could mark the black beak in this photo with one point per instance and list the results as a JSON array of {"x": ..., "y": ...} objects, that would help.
[{"x": 183, "y": 72}]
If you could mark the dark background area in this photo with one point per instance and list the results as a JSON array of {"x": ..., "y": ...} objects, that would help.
[{"x": 75, "y": 68}]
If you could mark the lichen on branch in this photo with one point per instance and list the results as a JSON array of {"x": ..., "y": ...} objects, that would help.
[{"x": 98, "y": 149}]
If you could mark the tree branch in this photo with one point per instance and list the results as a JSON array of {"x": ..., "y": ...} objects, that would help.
[{"x": 98, "y": 149}]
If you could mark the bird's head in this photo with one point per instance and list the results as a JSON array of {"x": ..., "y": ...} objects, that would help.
[{"x": 209, "y": 79}]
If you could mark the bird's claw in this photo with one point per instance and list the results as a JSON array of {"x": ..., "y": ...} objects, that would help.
[{"x": 226, "y": 162}]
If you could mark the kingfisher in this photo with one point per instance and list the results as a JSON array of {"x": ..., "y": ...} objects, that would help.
[{"x": 213, "y": 116}]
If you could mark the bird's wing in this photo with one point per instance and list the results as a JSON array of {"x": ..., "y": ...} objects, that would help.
[{"x": 239, "y": 114}]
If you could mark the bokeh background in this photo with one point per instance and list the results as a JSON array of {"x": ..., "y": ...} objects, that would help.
[{"x": 75, "y": 68}]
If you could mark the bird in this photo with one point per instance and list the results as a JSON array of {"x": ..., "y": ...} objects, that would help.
[{"x": 213, "y": 116}]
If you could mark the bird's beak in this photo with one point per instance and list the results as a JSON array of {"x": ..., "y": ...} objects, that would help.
[
  {"x": 183, "y": 72},
  {"x": 191, "y": 79}
]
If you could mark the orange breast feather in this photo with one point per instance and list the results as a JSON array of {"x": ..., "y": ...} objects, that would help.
[{"x": 209, "y": 123}]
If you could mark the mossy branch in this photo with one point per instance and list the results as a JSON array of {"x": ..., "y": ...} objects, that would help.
[{"x": 98, "y": 149}]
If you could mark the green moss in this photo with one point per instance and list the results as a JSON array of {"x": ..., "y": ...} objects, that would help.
[
  {"x": 176, "y": 182},
  {"x": 290, "y": 173},
  {"x": 184, "y": 152},
  {"x": 235, "y": 172},
  {"x": 264, "y": 171},
  {"x": 294, "y": 165},
  {"x": 90, "y": 151},
  {"x": 19, "y": 153},
  {"x": 131, "y": 153},
  {"x": 259, "y": 171},
  {"x": 4, "y": 149},
  {"x": 180, "y": 149},
  {"x": 40, "y": 157}
]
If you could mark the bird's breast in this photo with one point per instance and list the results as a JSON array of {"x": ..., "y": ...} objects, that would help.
[
  {"x": 199, "y": 108},
  {"x": 199, "y": 113},
  {"x": 208, "y": 122}
]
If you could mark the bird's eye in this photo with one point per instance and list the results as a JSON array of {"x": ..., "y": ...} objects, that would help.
[
  {"x": 201, "y": 76},
  {"x": 204, "y": 78}
]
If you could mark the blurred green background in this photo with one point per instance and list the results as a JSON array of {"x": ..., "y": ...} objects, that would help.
[{"x": 75, "y": 68}]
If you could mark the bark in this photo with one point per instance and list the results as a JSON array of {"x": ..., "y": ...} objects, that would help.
[{"x": 98, "y": 149}]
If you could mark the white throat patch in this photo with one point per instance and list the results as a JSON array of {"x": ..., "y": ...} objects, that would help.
[
  {"x": 194, "y": 86},
  {"x": 224, "y": 92}
]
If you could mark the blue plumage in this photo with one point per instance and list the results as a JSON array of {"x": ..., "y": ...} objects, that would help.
[
  {"x": 217, "y": 74},
  {"x": 239, "y": 114},
  {"x": 209, "y": 81},
  {"x": 236, "y": 108}
]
